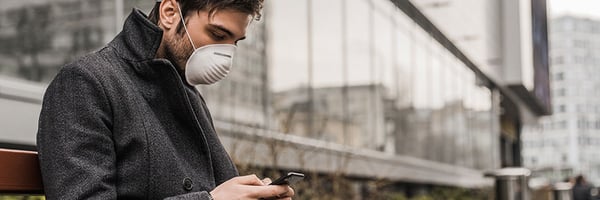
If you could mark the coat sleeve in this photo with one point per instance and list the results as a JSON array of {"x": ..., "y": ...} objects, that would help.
[{"x": 74, "y": 140}]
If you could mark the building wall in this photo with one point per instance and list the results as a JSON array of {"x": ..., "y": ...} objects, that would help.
[
  {"x": 364, "y": 124},
  {"x": 431, "y": 99},
  {"x": 473, "y": 25},
  {"x": 499, "y": 36},
  {"x": 506, "y": 39},
  {"x": 569, "y": 138},
  {"x": 38, "y": 37}
]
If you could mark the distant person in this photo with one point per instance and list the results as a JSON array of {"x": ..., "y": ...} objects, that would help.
[
  {"x": 126, "y": 121},
  {"x": 581, "y": 190}
]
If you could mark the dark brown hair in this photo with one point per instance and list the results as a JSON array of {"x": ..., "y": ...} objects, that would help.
[{"x": 251, "y": 7}]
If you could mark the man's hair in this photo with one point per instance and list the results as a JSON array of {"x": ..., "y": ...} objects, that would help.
[
  {"x": 579, "y": 180},
  {"x": 251, "y": 7}
]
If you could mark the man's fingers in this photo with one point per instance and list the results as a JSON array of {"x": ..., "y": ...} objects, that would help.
[
  {"x": 270, "y": 191},
  {"x": 249, "y": 180},
  {"x": 289, "y": 193},
  {"x": 286, "y": 196},
  {"x": 267, "y": 181}
]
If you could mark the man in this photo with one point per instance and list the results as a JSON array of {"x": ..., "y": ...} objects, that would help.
[
  {"x": 581, "y": 190},
  {"x": 126, "y": 122}
]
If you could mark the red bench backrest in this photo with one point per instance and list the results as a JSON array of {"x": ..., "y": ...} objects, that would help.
[{"x": 20, "y": 172}]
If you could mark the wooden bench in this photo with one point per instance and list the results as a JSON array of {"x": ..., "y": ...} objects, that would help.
[{"x": 20, "y": 172}]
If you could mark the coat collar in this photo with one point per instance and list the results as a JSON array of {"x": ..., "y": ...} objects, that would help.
[
  {"x": 138, "y": 43},
  {"x": 140, "y": 38}
]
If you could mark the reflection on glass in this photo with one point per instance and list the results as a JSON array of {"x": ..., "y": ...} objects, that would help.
[
  {"x": 429, "y": 100},
  {"x": 37, "y": 38}
]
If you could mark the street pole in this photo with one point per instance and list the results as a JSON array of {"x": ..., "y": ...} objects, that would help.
[
  {"x": 345, "y": 109},
  {"x": 372, "y": 90},
  {"x": 118, "y": 16},
  {"x": 310, "y": 67}
]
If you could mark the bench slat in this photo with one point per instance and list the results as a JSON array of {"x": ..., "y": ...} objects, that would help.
[{"x": 20, "y": 172}]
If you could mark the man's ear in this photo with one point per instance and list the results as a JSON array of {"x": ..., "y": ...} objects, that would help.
[{"x": 169, "y": 14}]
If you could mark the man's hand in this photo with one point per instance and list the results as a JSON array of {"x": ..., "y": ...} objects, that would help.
[{"x": 251, "y": 188}]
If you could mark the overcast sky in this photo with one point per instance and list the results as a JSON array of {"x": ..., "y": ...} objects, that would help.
[{"x": 589, "y": 8}]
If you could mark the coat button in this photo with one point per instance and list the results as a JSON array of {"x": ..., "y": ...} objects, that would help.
[{"x": 188, "y": 184}]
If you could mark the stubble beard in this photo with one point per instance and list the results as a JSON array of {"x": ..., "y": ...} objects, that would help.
[{"x": 178, "y": 50}]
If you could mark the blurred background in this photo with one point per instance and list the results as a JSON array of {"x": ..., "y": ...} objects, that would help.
[{"x": 372, "y": 99}]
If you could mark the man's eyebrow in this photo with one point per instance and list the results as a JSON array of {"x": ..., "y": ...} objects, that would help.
[{"x": 227, "y": 31}]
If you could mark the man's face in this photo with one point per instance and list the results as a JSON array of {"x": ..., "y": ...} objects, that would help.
[{"x": 222, "y": 27}]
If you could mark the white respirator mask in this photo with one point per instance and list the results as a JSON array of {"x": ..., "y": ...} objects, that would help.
[{"x": 208, "y": 64}]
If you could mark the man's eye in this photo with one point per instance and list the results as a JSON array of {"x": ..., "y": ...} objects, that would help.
[{"x": 217, "y": 36}]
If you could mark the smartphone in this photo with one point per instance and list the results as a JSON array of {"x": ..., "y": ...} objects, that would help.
[{"x": 289, "y": 179}]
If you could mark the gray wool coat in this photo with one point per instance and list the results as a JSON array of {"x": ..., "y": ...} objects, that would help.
[{"x": 120, "y": 124}]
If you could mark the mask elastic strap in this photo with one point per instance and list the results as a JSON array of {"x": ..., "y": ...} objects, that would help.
[{"x": 184, "y": 27}]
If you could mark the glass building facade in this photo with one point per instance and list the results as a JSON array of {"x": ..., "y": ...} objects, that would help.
[
  {"x": 358, "y": 73},
  {"x": 364, "y": 74}
]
